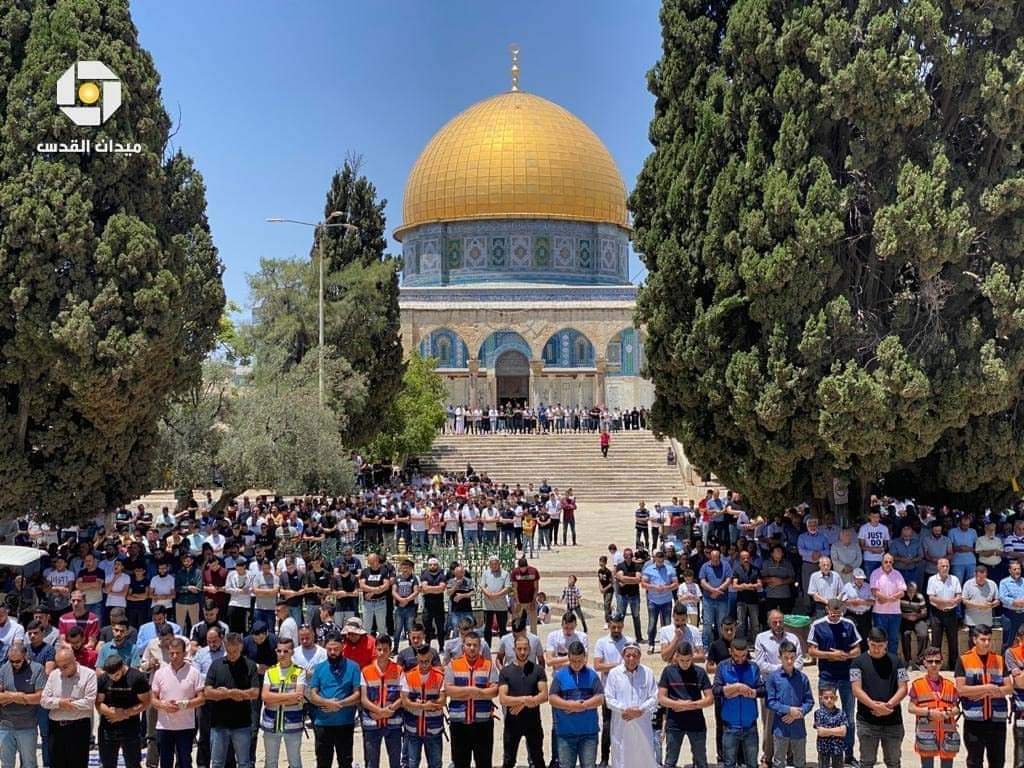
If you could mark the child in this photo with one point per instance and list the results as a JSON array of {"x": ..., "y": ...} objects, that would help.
[
  {"x": 529, "y": 524},
  {"x": 571, "y": 597},
  {"x": 543, "y": 610},
  {"x": 831, "y": 724},
  {"x": 690, "y": 595},
  {"x": 605, "y": 581}
]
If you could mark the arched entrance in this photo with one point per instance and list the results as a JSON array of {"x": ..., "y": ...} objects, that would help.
[{"x": 512, "y": 372}]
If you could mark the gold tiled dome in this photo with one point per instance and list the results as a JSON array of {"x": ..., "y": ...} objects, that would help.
[{"x": 514, "y": 155}]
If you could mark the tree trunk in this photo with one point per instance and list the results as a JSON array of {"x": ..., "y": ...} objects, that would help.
[{"x": 228, "y": 495}]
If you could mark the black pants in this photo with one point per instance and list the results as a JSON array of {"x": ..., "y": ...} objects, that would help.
[
  {"x": 554, "y": 531},
  {"x": 238, "y": 619},
  {"x": 526, "y": 724},
  {"x": 566, "y": 525},
  {"x": 981, "y": 736},
  {"x": 606, "y": 733},
  {"x": 488, "y": 622},
  {"x": 69, "y": 742},
  {"x": 604, "y": 451},
  {"x": 175, "y": 744},
  {"x": 434, "y": 624},
  {"x": 334, "y": 740},
  {"x": 471, "y": 743},
  {"x": 110, "y": 743},
  {"x": 203, "y": 748},
  {"x": 945, "y": 623},
  {"x": 642, "y": 535}
]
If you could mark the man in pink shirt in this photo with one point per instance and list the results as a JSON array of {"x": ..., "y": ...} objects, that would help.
[
  {"x": 888, "y": 587},
  {"x": 177, "y": 691}
]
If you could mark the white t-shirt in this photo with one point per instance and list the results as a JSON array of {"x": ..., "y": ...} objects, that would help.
[
  {"x": 558, "y": 643},
  {"x": 944, "y": 590},
  {"x": 163, "y": 585},
  {"x": 668, "y": 633},
  {"x": 118, "y": 582},
  {"x": 874, "y": 536},
  {"x": 418, "y": 519}
]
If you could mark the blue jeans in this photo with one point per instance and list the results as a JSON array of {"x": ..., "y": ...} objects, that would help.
[
  {"x": 573, "y": 748},
  {"x": 1011, "y": 620},
  {"x": 292, "y": 748},
  {"x": 430, "y": 745},
  {"x": 171, "y": 743},
  {"x": 392, "y": 738},
  {"x": 741, "y": 743},
  {"x": 871, "y": 565},
  {"x": 674, "y": 743},
  {"x": 20, "y": 742},
  {"x": 713, "y": 613},
  {"x": 240, "y": 738},
  {"x": 457, "y": 616},
  {"x": 405, "y": 616},
  {"x": 44, "y": 732},
  {"x": 266, "y": 616},
  {"x": 632, "y": 604},
  {"x": 845, "y": 691},
  {"x": 657, "y": 617},
  {"x": 963, "y": 571},
  {"x": 890, "y": 622},
  {"x": 469, "y": 536}
]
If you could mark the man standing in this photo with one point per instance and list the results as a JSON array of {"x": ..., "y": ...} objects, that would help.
[
  {"x": 607, "y": 656},
  {"x": 522, "y": 688},
  {"x": 888, "y": 587},
  {"x": 526, "y": 579},
  {"x": 980, "y": 596},
  {"x": 70, "y": 696},
  {"x": 738, "y": 683},
  {"x": 812, "y": 545},
  {"x": 433, "y": 585},
  {"x": 460, "y": 595},
  {"x": 576, "y": 693},
  {"x": 879, "y": 680},
  {"x": 714, "y": 577},
  {"x": 846, "y": 555},
  {"x": 874, "y": 538},
  {"x": 283, "y": 698},
  {"x": 835, "y": 642},
  {"x": 908, "y": 554},
  {"x": 122, "y": 695},
  {"x": 660, "y": 581},
  {"x": 825, "y": 585},
  {"x": 78, "y": 616},
  {"x": 405, "y": 591},
  {"x": 680, "y": 631},
  {"x": 632, "y": 696},
  {"x": 382, "y": 707},
  {"x": 788, "y": 696},
  {"x": 746, "y": 582},
  {"x": 768, "y": 658},
  {"x": 335, "y": 691},
  {"x": 471, "y": 684},
  {"x": 423, "y": 701},
  {"x": 1011, "y": 596},
  {"x": 963, "y": 538},
  {"x": 983, "y": 686},
  {"x": 684, "y": 690},
  {"x": 494, "y": 586},
  {"x": 945, "y": 594},
  {"x": 21, "y": 685},
  {"x": 232, "y": 684},
  {"x": 375, "y": 584}
]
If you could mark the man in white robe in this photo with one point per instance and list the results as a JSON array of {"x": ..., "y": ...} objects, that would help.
[{"x": 631, "y": 693}]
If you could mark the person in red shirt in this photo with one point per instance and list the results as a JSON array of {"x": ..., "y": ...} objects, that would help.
[
  {"x": 81, "y": 617},
  {"x": 606, "y": 440},
  {"x": 358, "y": 646},
  {"x": 527, "y": 580},
  {"x": 84, "y": 655}
]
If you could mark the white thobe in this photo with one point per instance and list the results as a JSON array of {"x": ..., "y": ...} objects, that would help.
[{"x": 632, "y": 741}]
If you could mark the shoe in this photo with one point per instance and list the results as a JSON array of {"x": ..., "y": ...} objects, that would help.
[
  {"x": 650, "y": 649},
  {"x": 852, "y": 762}
]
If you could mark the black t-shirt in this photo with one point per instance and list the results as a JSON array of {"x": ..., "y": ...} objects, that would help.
[
  {"x": 294, "y": 581},
  {"x": 315, "y": 578},
  {"x": 107, "y": 635},
  {"x": 718, "y": 651},
  {"x": 434, "y": 602},
  {"x": 523, "y": 681},
  {"x": 685, "y": 685},
  {"x": 879, "y": 678},
  {"x": 347, "y": 582},
  {"x": 373, "y": 578},
  {"x": 241, "y": 675},
  {"x": 604, "y": 577},
  {"x": 122, "y": 694},
  {"x": 629, "y": 569}
]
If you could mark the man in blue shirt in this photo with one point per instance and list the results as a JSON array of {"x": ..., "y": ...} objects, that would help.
[
  {"x": 789, "y": 698},
  {"x": 1011, "y": 595},
  {"x": 835, "y": 642},
  {"x": 811, "y": 544},
  {"x": 963, "y": 538},
  {"x": 576, "y": 694},
  {"x": 714, "y": 579},
  {"x": 908, "y": 554},
  {"x": 334, "y": 690},
  {"x": 738, "y": 683},
  {"x": 151, "y": 629},
  {"x": 661, "y": 582}
]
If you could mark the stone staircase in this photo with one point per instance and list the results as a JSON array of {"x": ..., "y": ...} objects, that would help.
[{"x": 635, "y": 467}]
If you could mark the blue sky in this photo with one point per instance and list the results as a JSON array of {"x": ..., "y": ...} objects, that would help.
[{"x": 272, "y": 96}]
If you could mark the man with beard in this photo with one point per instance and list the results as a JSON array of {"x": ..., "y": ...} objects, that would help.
[
  {"x": 433, "y": 585},
  {"x": 122, "y": 694},
  {"x": 471, "y": 683},
  {"x": 607, "y": 656},
  {"x": 522, "y": 688},
  {"x": 212, "y": 651},
  {"x": 176, "y": 691},
  {"x": 382, "y": 707},
  {"x": 423, "y": 701},
  {"x": 680, "y": 631},
  {"x": 632, "y": 696},
  {"x": 334, "y": 690},
  {"x": 407, "y": 657}
]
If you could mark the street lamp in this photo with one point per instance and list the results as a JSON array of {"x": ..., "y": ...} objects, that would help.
[{"x": 325, "y": 224}]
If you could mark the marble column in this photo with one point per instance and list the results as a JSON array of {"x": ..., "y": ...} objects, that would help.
[
  {"x": 536, "y": 369},
  {"x": 474, "y": 369},
  {"x": 602, "y": 369}
]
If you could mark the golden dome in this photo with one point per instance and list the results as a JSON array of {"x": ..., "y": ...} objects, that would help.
[{"x": 514, "y": 155}]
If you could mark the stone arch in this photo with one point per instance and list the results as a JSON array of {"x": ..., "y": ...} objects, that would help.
[
  {"x": 624, "y": 352},
  {"x": 500, "y": 341},
  {"x": 568, "y": 348},
  {"x": 447, "y": 346}
]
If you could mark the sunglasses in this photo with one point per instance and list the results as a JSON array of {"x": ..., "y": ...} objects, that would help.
[{"x": 933, "y": 661}]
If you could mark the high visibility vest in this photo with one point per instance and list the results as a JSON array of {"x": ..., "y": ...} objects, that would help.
[
  {"x": 283, "y": 718},
  {"x": 932, "y": 738},
  {"x": 978, "y": 673},
  {"x": 420, "y": 687},
  {"x": 1016, "y": 654},
  {"x": 382, "y": 688},
  {"x": 478, "y": 674}
]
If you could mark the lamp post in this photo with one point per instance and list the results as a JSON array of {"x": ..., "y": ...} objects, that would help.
[{"x": 318, "y": 229}]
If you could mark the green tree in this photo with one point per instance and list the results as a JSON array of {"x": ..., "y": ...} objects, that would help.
[
  {"x": 110, "y": 285},
  {"x": 416, "y": 414},
  {"x": 830, "y": 220}
]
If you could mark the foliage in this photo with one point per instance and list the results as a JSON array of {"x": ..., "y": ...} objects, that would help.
[
  {"x": 415, "y": 416},
  {"x": 110, "y": 285},
  {"x": 232, "y": 339},
  {"x": 831, "y": 224}
]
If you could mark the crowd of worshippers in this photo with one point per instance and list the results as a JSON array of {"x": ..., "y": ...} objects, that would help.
[{"x": 522, "y": 418}]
